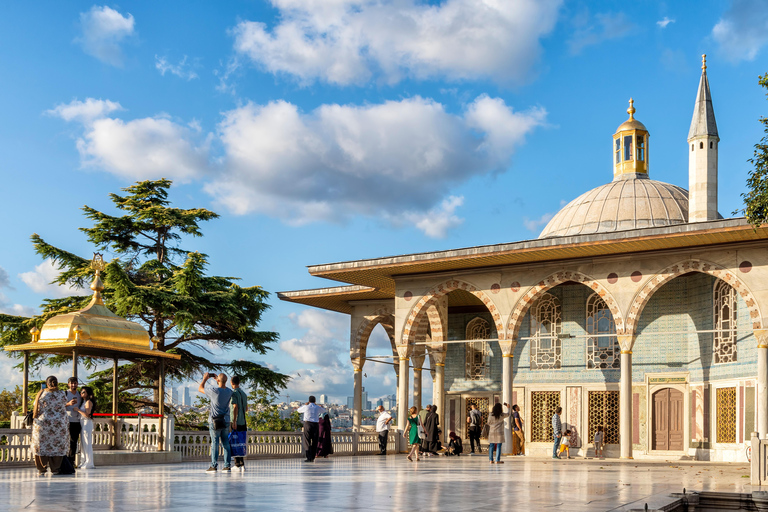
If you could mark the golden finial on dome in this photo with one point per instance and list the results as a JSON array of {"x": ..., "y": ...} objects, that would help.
[
  {"x": 35, "y": 332},
  {"x": 97, "y": 286},
  {"x": 631, "y": 110},
  {"x": 704, "y": 62},
  {"x": 78, "y": 332},
  {"x": 155, "y": 342}
]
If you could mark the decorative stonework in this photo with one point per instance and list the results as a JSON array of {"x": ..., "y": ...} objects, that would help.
[
  {"x": 408, "y": 296},
  {"x": 678, "y": 269},
  {"x": 613, "y": 278},
  {"x": 525, "y": 302},
  {"x": 359, "y": 342},
  {"x": 745, "y": 266},
  {"x": 636, "y": 276},
  {"x": 430, "y": 300},
  {"x": 725, "y": 316},
  {"x": 515, "y": 287},
  {"x": 602, "y": 351},
  {"x": 495, "y": 288},
  {"x": 476, "y": 353},
  {"x": 546, "y": 324}
]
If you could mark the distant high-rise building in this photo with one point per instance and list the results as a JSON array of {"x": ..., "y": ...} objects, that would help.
[
  {"x": 323, "y": 399},
  {"x": 350, "y": 402},
  {"x": 174, "y": 396},
  {"x": 186, "y": 400},
  {"x": 368, "y": 405},
  {"x": 379, "y": 402},
  {"x": 364, "y": 403}
]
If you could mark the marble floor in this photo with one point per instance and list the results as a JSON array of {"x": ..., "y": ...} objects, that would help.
[{"x": 370, "y": 483}]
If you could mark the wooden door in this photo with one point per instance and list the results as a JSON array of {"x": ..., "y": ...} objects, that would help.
[{"x": 668, "y": 420}]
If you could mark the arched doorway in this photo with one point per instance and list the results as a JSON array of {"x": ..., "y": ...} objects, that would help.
[{"x": 668, "y": 420}]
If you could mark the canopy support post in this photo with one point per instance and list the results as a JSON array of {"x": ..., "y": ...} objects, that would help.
[
  {"x": 161, "y": 404},
  {"x": 74, "y": 363},
  {"x": 25, "y": 389},
  {"x": 115, "y": 434}
]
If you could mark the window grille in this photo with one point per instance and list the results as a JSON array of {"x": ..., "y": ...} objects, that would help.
[
  {"x": 483, "y": 405},
  {"x": 726, "y": 321},
  {"x": 543, "y": 406},
  {"x": 477, "y": 352},
  {"x": 546, "y": 324},
  {"x": 604, "y": 412},
  {"x": 726, "y": 415},
  {"x": 602, "y": 351}
]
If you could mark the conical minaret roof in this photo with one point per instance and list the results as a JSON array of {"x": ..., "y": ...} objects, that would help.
[{"x": 703, "y": 122}]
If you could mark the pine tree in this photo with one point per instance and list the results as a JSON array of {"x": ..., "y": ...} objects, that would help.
[
  {"x": 756, "y": 199},
  {"x": 154, "y": 281}
]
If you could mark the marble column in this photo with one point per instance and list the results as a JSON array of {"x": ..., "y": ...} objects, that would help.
[
  {"x": 402, "y": 392},
  {"x": 357, "y": 393},
  {"x": 762, "y": 382},
  {"x": 625, "y": 405},
  {"x": 417, "y": 358},
  {"x": 506, "y": 397}
]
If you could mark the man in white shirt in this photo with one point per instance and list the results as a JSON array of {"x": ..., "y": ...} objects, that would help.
[
  {"x": 382, "y": 427},
  {"x": 312, "y": 413},
  {"x": 74, "y": 401}
]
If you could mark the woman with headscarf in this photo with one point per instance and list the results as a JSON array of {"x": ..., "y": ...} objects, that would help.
[
  {"x": 496, "y": 431},
  {"x": 86, "y": 411},
  {"x": 50, "y": 430},
  {"x": 324, "y": 445},
  {"x": 431, "y": 426}
]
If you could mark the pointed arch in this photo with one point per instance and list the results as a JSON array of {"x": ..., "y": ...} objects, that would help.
[
  {"x": 536, "y": 291},
  {"x": 429, "y": 304},
  {"x": 642, "y": 297},
  {"x": 359, "y": 340}
]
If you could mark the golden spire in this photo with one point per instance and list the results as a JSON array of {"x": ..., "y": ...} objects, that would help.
[
  {"x": 631, "y": 110},
  {"x": 97, "y": 286},
  {"x": 704, "y": 62}
]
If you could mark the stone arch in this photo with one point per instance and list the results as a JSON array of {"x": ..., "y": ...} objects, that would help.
[
  {"x": 642, "y": 297},
  {"x": 525, "y": 302},
  {"x": 359, "y": 342},
  {"x": 428, "y": 303}
]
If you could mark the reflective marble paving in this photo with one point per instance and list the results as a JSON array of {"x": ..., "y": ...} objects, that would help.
[{"x": 371, "y": 483}]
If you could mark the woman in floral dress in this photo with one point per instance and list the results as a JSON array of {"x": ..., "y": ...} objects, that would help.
[{"x": 50, "y": 432}]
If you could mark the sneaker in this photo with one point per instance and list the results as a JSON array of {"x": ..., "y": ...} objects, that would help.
[
  {"x": 211, "y": 470},
  {"x": 227, "y": 469}
]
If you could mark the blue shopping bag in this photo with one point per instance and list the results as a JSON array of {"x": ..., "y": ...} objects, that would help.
[{"x": 237, "y": 442}]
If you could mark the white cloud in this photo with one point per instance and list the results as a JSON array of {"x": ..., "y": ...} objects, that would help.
[
  {"x": 40, "y": 281},
  {"x": 595, "y": 30},
  {"x": 742, "y": 31},
  {"x": 350, "y": 41},
  {"x": 340, "y": 161},
  {"x": 5, "y": 280},
  {"x": 84, "y": 111},
  {"x": 147, "y": 148},
  {"x": 322, "y": 342},
  {"x": 666, "y": 21},
  {"x": 103, "y": 31},
  {"x": 182, "y": 69},
  {"x": 436, "y": 222},
  {"x": 5, "y": 303},
  {"x": 535, "y": 225}
]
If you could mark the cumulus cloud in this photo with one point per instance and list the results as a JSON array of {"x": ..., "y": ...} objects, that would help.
[
  {"x": 183, "y": 69},
  {"x": 146, "y": 148},
  {"x": 742, "y": 31},
  {"x": 535, "y": 225},
  {"x": 589, "y": 30},
  {"x": 344, "y": 160},
  {"x": 6, "y": 306},
  {"x": 322, "y": 342},
  {"x": 350, "y": 41},
  {"x": 436, "y": 222},
  {"x": 666, "y": 21},
  {"x": 103, "y": 32},
  {"x": 40, "y": 280}
]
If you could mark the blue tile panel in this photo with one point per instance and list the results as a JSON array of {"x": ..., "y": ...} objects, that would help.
[{"x": 684, "y": 304}]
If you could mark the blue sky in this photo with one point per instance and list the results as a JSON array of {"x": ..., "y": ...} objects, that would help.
[{"x": 331, "y": 130}]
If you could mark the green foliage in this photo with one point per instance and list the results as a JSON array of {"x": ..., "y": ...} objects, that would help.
[
  {"x": 195, "y": 418},
  {"x": 756, "y": 199},
  {"x": 10, "y": 401},
  {"x": 264, "y": 416},
  {"x": 156, "y": 282}
]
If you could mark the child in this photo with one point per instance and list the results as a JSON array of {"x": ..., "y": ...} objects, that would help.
[
  {"x": 565, "y": 444},
  {"x": 599, "y": 443}
]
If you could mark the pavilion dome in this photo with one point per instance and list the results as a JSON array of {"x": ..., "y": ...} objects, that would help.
[{"x": 637, "y": 202}]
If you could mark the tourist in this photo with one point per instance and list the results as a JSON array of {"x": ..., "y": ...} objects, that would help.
[
  {"x": 312, "y": 413},
  {"x": 518, "y": 439},
  {"x": 423, "y": 447},
  {"x": 474, "y": 419},
  {"x": 50, "y": 435},
  {"x": 557, "y": 432},
  {"x": 454, "y": 445},
  {"x": 382, "y": 427},
  {"x": 218, "y": 419},
  {"x": 324, "y": 442},
  {"x": 432, "y": 429},
  {"x": 565, "y": 445},
  {"x": 412, "y": 433},
  {"x": 598, "y": 440},
  {"x": 74, "y": 417},
  {"x": 238, "y": 408},
  {"x": 496, "y": 431},
  {"x": 86, "y": 411}
]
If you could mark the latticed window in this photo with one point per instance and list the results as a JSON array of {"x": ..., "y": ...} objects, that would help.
[
  {"x": 546, "y": 323},
  {"x": 604, "y": 412},
  {"x": 543, "y": 406},
  {"x": 482, "y": 405},
  {"x": 477, "y": 352},
  {"x": 726, "y": 415},
  {"x": 602, "y": 351},
  {"x": 726, "y": 321}
]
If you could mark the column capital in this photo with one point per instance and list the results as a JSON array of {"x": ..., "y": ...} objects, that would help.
[
  {"x": 507, "y": 346},
  {"x": 762, "y": 337},
  {"x": 626, "y": 342},
  {"x": 357, "y": 363},
  {"x": 404, "y": 351}
]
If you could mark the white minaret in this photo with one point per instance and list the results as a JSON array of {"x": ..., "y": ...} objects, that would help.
[{"x": 702, "y": 155}]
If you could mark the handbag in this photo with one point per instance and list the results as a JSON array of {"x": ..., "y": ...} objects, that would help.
[
  {"x": 29, "y": 418},
  {"x": 237, "y": 442},
  {"x": 218, "y": 422},
  {"x": 486, "y": 430}
]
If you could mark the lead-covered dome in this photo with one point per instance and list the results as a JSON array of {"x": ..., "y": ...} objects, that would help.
[{"x": 637, "y": 202}]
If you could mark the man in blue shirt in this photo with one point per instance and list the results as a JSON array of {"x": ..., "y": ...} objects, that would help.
[
  {"x": 557, "y": 432},
  {"x": 218, "y": 419},
  {"x": 312, "y": 413}
]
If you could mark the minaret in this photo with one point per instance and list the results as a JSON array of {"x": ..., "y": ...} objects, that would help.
[{"x": 702, "y": 155}]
